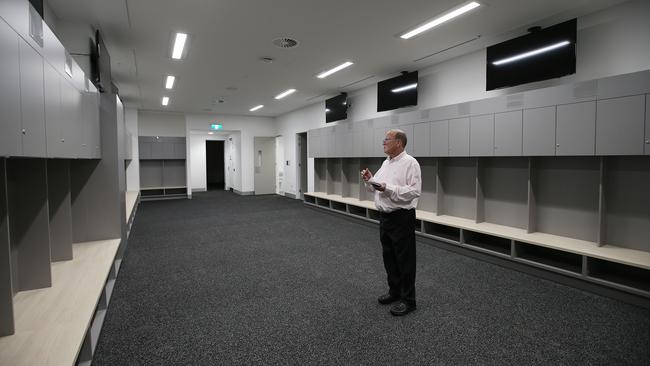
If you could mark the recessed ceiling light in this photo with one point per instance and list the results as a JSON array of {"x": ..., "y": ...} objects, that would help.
[
  {"x": 179, "y": 45},
  {"x": 340, "y": 67},
  {"x": 441, "y": 19},
  {"x": 531, "y": 53},
  {"x": 285, "y": 93},
  {"x": 210, "y": 133},
  {"x": 256, "y": 108},
  {"x": 169, "y": 83},
  {"x": 165, "y": 101}
]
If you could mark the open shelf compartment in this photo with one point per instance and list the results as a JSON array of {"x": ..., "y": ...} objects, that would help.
[
  {"x": 619, "y": 274},
  {"x": 488, "y": 242},
  {"x": 442, "y": 231},
  {"x": 549, "y": 257}
]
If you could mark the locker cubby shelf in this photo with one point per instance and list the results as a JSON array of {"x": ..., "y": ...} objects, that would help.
[
  {"x": 487, "y": 242},
  {"x": 622, "y": 268},
  {"x": 442, "y": 231},
  {"x": 59, "y": 320},
  {"x": 619, "y": 274},
  {"x": 549, "y": 257}
]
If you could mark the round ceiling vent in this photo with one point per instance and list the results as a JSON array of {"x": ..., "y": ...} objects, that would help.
[{"x": 285, "y": 42}]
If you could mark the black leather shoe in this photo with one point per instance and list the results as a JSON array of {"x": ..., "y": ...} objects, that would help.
[
  {"x": 386, "y": 299},
  {"x": 402, "y": 308}
]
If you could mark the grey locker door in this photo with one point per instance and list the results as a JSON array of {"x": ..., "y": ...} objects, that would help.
[
  {"x": 421, "y": 139},
  {"x": 539, "y": 132},
  {"x": 357, "y": 142},
  {"x": 331, "y": 142},
  {"x": 76, "y": 135},
  {"x": 481, "y": 135},
  {"x": 378, "y": 141},
  {"x": 647, "y": 124},
  {"x": 459, "y": 137},
  {"x": 68, "y": 121},
  {"x": 408, "y": 130},
  {"x": 264, "y": 155},
  {"x": 53, "y": 121},
  {"x": 368, "y": 136},
  {"x": 145, "y": 147},
  {"x": 10, "y": 123},
  {"x": 620, "y": 125},
  {"x": 507, "y": 133},
  {"x": 576, "y": 129},
  {"x": 168, "y": 147},
  {"x": 157, "y": 148},
  {"x": 179, "y": 149},
  {"x": 439, "y": 138},
  {"x": 314, "y": 145},
  {"x": 32, "y": 102}
]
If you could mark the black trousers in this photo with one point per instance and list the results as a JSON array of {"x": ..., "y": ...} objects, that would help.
[{"x": 397, "y": 236}]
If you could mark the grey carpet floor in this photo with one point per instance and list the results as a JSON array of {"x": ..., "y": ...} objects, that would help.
[{"x": 229, "y": 280}]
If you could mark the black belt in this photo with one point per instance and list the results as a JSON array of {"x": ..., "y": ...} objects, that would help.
[{"x": 398, "y": 212}]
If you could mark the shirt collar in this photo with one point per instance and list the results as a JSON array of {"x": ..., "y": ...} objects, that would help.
[{"x": 396, "y": 158}]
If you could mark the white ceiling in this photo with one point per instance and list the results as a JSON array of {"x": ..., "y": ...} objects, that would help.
[{"x": 228, "y": 37}]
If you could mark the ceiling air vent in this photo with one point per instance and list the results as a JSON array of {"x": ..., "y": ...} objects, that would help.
[{"x": 285, "y": 42}]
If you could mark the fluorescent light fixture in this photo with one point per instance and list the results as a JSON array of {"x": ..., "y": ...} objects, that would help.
[
  {"x": 170, "y": 81},
  {"x": 165, "y": 101},
  {"x": 441, "y": 19},
  {"x": 406, "y": 87},
  {"x": 340, "y": 67},
  {"x": 179, "y": 45},
  {"x": 256, "y": 108},
  {"x": 285, "y": 93},
  {"x": 531, "y": 53},
  {"x": 210, "y": 133},
  {"x": 327, "y": 110}
]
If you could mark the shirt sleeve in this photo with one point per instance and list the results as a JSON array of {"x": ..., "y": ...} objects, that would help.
[{"x": 411, "y": 190}]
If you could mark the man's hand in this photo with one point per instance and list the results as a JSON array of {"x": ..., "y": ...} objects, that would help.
[{"x": 366, "y": 174}]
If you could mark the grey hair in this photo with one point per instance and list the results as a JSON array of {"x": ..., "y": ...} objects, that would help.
[{"x": 400, "y": 135}]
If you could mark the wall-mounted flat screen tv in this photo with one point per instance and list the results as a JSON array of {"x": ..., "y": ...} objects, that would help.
[
  {"x": 336, "y": 108},
  {"x": 100, "y": 64},
  {"x": 543, "y": 54},
  {"x": 400, "y": 91}
]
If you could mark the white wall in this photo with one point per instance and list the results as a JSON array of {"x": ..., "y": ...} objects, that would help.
[
  {"x": 610, "y": 42},
  {"x": 152, "y": 123},
  {"x": 133, "y": 170},
  {"x": 242, "y": 129}
]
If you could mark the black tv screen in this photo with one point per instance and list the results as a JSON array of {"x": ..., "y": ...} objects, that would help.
[
  {"x": 336, "y": 108},
  {"x": 400, "y": 91},
  {"x": 541, "y": 55},
  {"x": 100, "y": 64}
]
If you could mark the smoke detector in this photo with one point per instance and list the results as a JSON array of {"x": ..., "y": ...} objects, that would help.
[{"x": 285, "y": 42}]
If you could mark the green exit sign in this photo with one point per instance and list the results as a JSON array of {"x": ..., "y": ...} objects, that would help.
[{"x": 215, "y": 127}]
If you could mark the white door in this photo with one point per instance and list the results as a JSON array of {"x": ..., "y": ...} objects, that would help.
[{"x": 264, "y": 156}]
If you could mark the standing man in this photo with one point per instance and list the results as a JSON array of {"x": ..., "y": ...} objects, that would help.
[{"x": 397, "y": 186}]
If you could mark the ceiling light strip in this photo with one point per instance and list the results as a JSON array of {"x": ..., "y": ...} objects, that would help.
[
  {"x": 285, "y": 93},
  {"x": 441, "y": 19},
  {"x": 179, "y": 45},
  {"x": 340, "y": 67},
  {"x": 531, "y": 53},
  {"x": 165, "y": 101},
  {"x": 256, "y": 108},
  {"x": 169, "y": 83}
]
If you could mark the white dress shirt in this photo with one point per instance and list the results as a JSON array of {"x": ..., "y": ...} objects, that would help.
[{"x": 403, "y": 180}]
